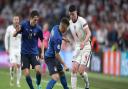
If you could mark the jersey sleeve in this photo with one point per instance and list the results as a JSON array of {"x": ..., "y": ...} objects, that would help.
[
  {"x": 84, "y": 23},
  {"x": 6, "y": 40},
  {"x": 40, "y": 34},
  {"x": 57, "y": 45}
]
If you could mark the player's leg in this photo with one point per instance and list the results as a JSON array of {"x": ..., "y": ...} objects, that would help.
[
  {"x": 75, "y": 66},
  {"x": 18, "y": 75},
  {"x": 36, "y": 64},
  {"x": 63, "y": 79},
  {"x": 51, "y": 64},
  {"x": 17, "y": 59},
  {"x": 84, "y": 67},
  {"x": 25, "y": 63},
  {"x": 74, "y": 71},
  {"x": 12, "y": 69},
  {"x": 84, "y": 75},
  {"x": 11, "y": 75}
]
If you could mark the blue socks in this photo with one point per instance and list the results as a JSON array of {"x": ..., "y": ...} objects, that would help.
[
  {"x": 29, "y": 81},
  {"x": 51, "y": 84},
  {"x": 64, "y": 82},
  {"x": 38, "y": 78}
]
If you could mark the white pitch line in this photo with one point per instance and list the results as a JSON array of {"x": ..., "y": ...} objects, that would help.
[{"x": 58, "y": 84}]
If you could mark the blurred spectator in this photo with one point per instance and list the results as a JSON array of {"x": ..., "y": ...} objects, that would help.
[
  {"x": 46, "y": 35},
  {"x": 108, "y": 18}
]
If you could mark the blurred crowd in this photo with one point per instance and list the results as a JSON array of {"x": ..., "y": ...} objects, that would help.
[{"x": 107, "y": 19}]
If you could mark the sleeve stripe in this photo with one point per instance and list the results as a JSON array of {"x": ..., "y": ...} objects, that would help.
[{"x": 85, "y": 24}]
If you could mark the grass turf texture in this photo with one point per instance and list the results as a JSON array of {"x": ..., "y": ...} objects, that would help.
[{"x": 97, "y": 81}]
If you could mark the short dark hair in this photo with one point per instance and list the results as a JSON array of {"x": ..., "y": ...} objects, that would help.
[
  {"x": 34, "y": 13},
  {"x": 65, "y": 21},
  {"x": 72, "y": 8}
]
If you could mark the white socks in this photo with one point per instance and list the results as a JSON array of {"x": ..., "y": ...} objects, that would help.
[
  {"x": 74, "y": 81},
  {"x": 18, "y": 75},
  {"x": 12, "y": 73},
  {"x": 85, "y": 77}
]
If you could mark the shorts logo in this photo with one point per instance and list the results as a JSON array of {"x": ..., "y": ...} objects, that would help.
[
  {"x": 22, "y": 64},
  {"x": 34, "y": 34},
  {"x": 55, "y": 69}
]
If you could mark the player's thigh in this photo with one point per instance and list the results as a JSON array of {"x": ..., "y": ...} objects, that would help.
[
  {"x": 35, "y": 62},
  {"x": 59, "y": 66},
  {"x": 51, "y": 64},
  {"x": 75, "y": 66},
  {"x": 55, "y": 76},
  {"x": 26, "y": 71},
  {"x": 25, "y": 61},
  {"x": 12, "y": 59},
  {"x": 82, "y": 69},
  {"x": 86, "y": 55}
]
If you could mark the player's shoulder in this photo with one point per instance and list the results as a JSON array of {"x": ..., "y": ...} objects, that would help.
[
  {"x": 38, "y": 27},
  {"x": 81, "y": 18},
  {"x": 54, "y": 30},
  {"x": 25, "y": 22},
  {"x": 10, "y": 27}
]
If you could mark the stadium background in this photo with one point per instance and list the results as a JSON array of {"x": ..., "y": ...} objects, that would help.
[{"x": 107, "y": 19}]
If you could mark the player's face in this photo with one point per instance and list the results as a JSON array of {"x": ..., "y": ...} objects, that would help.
[
  {"x": 73, "y": 15},
  {"x": 34, "y": 20},
  {"x": 63, "y": 27},
  {"x": 16, "y": 20}
]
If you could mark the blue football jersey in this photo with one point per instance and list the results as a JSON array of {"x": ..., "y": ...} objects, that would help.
[
  {"x": 30, "y": 36},
  {"x": 55, "y": 42}
]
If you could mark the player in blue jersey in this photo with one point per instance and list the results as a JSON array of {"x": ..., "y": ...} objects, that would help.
[
  {"x": 52, "y": 56},
  {"x": 30, "y": 31}
]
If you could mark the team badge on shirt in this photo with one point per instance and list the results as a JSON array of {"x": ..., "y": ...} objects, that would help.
[{"x": 58, "y": 46}]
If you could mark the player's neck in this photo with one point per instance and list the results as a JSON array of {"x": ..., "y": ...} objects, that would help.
[
  {"x": 31, "y": 24},
  {"x": 75, "y": 20}
]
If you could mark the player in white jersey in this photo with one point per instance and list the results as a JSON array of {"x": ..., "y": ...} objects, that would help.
[
  {"x": 81, "y": 58},
  {"x": 13, "y": 47}
]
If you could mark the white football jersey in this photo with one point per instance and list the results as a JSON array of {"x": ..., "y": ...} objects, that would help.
[
  {"x": 77, "y": 30},
  {"x": 13, "y": 44}
]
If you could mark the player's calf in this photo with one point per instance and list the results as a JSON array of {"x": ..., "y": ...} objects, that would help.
[
  {"x": 52, "y": 82},
  {"x": 63, "y": 80}
]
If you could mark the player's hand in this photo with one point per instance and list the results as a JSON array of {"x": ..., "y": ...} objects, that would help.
[
  {"x": 42, "y": 56},
  {"x": 82, "y": 45},
  {"x": 18, "y": 28},
  {"x": 67, "y": 40},
  {"x": 66, "y": 68}
]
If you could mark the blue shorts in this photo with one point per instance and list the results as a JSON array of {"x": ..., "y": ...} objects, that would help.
[
  {"x": 54, "y": 66},
  {"x": 27, "y": 60}
]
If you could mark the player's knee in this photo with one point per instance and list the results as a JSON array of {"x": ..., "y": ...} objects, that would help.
[
  {"x": 81, "y": 71},
  {"x": 26, "y": 72},
  {"x": 37, "y": 69},
  {"x": 55, "y": 76},
  {"x": 61, "y": 73}
]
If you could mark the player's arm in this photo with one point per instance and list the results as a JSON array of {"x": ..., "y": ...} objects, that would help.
[
  {"x": 87, "y": 31},
  {"x": 57, "y": 47},
  {"x": 18, "y": 30},
  {"x": 66, "y": 36},
  {"x": 6, "y": 40},
  {"x": 42, "y": 49},
  {"x": 42, "y": 43}
]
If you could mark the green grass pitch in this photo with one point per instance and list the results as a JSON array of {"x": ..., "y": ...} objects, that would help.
[{"x": 97, "y": 81}]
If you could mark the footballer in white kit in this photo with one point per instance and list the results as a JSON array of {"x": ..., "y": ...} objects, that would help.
[
  {"x": 82, "y": 56},
  {"x": 13, "y": 47},
  {"x": 82, "y": 53}
]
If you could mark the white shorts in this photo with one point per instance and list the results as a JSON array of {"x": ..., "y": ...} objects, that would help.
[
  {"x": 82, "y": 56},
  {"x": 15, "y": 58}
]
